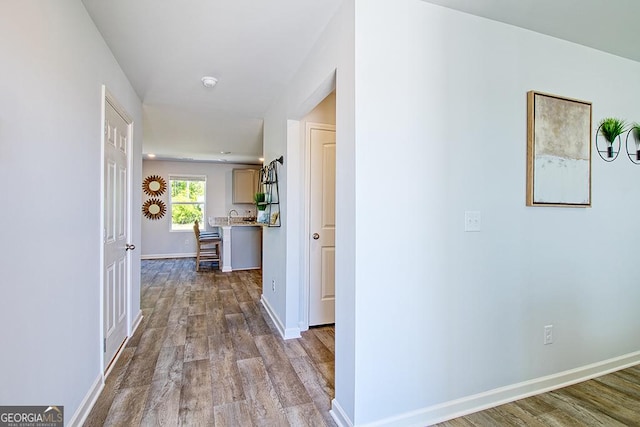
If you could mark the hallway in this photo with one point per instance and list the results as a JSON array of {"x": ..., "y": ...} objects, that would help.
[{"x": 207, "y": 354}]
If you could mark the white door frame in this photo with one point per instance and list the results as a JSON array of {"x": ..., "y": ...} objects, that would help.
[
  {"x": 306, "y": 270},
  {"x": 108, "y": 97}
]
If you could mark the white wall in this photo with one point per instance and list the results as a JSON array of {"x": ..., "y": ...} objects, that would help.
[
  {"x": 444, "y": 314},
  {"x": 324, "y": 112},
  {"x": 157, "y": 238},
  {"x": 53, "y": 65},
  {"x": 329, "y": 64}
]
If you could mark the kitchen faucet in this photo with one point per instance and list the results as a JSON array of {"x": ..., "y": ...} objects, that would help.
[{"x": 229, "y": 216}]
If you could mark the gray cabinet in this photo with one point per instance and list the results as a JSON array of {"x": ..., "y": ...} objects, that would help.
[
  {"x": 245, "y": 185},
  {"x": 246, "y": 247}
]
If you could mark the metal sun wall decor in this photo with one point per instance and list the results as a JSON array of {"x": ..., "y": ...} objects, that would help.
[
  {"x": 154, "y": 185},
  {"x": 154, "y": 208}
]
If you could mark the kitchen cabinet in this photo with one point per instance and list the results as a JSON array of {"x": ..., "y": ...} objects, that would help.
[
  {"x": 241, "y": 245},
  {"x": 246, "y": 248},
  {"x": 245, "y": 185}
]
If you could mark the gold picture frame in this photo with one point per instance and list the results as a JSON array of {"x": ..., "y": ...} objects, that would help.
[{"x": 558, "y": 151}]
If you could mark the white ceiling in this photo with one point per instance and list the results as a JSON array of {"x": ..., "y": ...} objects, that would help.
[
  {"x": 254, "y": 47},
  {"x": 607, "y": 25},
  {"x": 165, "y": 47}
]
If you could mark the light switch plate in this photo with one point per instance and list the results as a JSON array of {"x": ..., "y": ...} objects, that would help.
[{"x": 472, "y": 221}]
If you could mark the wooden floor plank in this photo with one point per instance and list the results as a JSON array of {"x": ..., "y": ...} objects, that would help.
[
  {"x": 315, "y": 349},
  {"x": 284, "y": 378},
  {"x": 242, "y": 339},
  {"x": 196, "y": 403},
  {"x": 232, "y": 415},
  {"x": 306, "y": 415},
  {"x": 128, "y": 406},
  {"x": 163, "y": 403},
  {"x": 264, "y": 405},
  {"x": 225, "y": 376},
  {"x": 98, "y": 414}
]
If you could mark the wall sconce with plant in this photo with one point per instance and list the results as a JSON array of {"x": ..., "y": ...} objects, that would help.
[
  {"x": 611, "y": 128},
  {"x": 261, "y": 206},
  {"x": 634, "y": 132}
]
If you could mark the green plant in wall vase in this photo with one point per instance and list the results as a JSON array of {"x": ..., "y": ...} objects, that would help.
[
  {"x": 635, "y": 131},
  {"x": 259, "y": 198},
  {"x": 611, "y": 128}
]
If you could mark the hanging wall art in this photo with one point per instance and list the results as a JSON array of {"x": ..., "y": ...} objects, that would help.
[
  {"x": 154, "y": 209},
  {"x": 154, "y": 185},
  {"x": 558, "y": 151}
]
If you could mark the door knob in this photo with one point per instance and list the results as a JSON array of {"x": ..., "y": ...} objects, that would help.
[
  {"x": 129, "y": 247},
  {"x": 316, "y": 236}
]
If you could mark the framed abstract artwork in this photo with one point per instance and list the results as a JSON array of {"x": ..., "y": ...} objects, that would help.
[{"x": 558, "y": 151}]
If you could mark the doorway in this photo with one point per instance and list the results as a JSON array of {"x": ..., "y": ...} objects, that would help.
[
  {"x": 116, "y": 228},
  {"x": 321, "y": 143},
  {"x": 318, "y": 137}
]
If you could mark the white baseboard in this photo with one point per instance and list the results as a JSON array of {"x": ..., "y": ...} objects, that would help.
[
  {"x": 166, "y": 256},
  {"x": 94, "y": 392},
  {"x": 135, "y": 323},
  {"x": 338, "y": 415},
  {"x": 492, "y": 398},
  {"x": 87, "y": 403},
  {"x": 286, "y": 334}
]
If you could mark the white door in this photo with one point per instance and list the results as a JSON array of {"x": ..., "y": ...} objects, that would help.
[
  {"x": 116, "y": 259},
  {"x": 322, "y": 221}
]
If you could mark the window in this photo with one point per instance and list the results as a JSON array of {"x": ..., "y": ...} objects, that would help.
[{"x": 187, "y": 201}]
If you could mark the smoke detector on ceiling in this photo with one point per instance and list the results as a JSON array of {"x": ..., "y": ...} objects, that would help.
[{"x": 209, "y": 81}]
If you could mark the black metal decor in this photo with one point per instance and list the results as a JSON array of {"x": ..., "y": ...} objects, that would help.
[
  {"x": 633, "y": 154},
  {"x": 611, "y": 150}
]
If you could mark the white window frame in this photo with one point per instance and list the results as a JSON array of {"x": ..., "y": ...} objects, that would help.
[{"x": 184, "y": 177}]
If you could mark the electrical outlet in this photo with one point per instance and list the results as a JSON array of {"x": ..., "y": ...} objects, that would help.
[
  {"x": 548, "y": 334},
  {"x": 273, "y": 285},
  {"x": 472, "y": 221}
]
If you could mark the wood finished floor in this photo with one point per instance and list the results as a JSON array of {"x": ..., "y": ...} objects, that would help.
[
  {"x": 206, "y": 354},
  {"x": 610, "y": 401}
]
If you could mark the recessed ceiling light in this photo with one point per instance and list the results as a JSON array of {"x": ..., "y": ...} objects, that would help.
[
  {"x": 209, "y": 81},
  {"x": 261, "y": 159},
  {"x": 151, "y": 156},
  {"x": 225, "y": 152}
]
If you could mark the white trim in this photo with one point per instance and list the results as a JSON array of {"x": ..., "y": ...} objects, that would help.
[
  {"x": 186, "y": 177},
  {"x": 167, "y": 256},
  {"x": 124, "y": 344},
  {"x": 499, "y": 396},
  {"x": 136, "y": 323},
  {"x": 338, "y": 415},
  {"x": 87, "y": 403},
  {"x": 226, "y": 249},
  {"x": 101, "y": 230},
  {"x": 286, "y": 334},
  {"x": 93, "y": 394}
]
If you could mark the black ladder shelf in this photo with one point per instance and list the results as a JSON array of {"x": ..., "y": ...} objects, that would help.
[{"x": 269, "y": 186}]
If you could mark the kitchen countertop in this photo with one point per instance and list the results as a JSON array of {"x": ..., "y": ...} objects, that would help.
[{"x": 235, "y": 222}]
